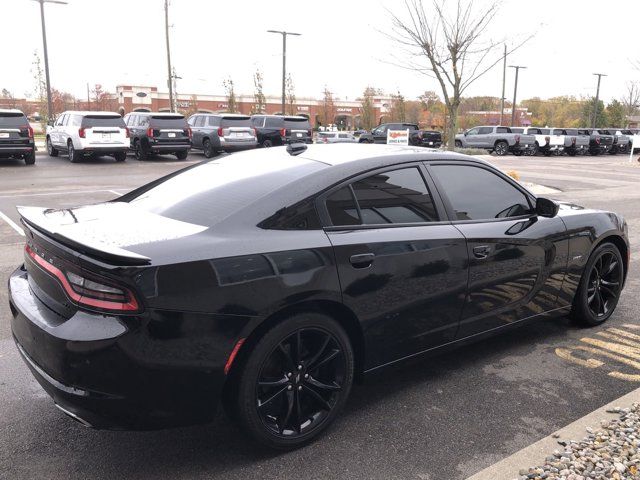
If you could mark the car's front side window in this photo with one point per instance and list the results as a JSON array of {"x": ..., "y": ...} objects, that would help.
[{"x": 476, "y": 193}]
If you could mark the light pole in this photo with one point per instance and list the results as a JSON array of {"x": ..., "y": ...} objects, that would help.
[
  {"x": 46, "y": 54},
  {"x": 515, "y": 92},
  {"x": 284, "y": 60},
  {"x": 169, "y": 71},
  {"x": 504, "y": 77},
  {"x": 595, "y": 106}
]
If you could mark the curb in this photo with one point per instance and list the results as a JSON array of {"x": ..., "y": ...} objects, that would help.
[{"x": 534, "y": 454}]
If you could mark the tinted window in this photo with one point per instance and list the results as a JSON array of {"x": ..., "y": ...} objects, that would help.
[
  {"x": 103, "y": 121},
  {"x": 143, "y": 120},
  {"x": 213, "y": 121},
  {"x": 342, "y": 208},
  {"x": 12, "y": 120},
  {"x": 302, "y": 216},
  {"x": 257, "y": 121},
  {"x": 274, "y": 122},
  {"x": 398, "y": 196},
  {"x": 169, "y": 121},
  {"x": 485, "y": 130},
  {"x": 545, "y": 131},
  {"x": 478, "y": 194},
  {"x": 571, "y": 131},
  {"x": 502, "y": 130},
  {"x": 519, "y": 130},
  {"x": 557, "y": 131},
  {"x": 199, "y": 121},
  {"x": 211, "y": 192},
  {"x": 235, "y": 122},
  {"x": 293, "y": 123}
]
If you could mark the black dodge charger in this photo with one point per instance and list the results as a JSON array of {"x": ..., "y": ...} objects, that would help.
[{"x": 269, "y": 280}]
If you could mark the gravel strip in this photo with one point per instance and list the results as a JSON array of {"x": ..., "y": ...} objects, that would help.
[{"x": 609, "y": 452}]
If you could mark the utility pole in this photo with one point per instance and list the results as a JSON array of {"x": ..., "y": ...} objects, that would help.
[
  {"x": 504, "y": 78},
  {"x": 515, "y": 92},
  {"x": 175, "y": 78},
  {"x": 46, "y": 54},
  {"x": 595, "y": 106},
  {"x": 284, "y": 62},
  {"x": 88, "y": 98},
  {"x": 166, "y": 31}
]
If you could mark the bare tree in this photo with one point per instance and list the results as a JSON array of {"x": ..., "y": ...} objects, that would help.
[
  {"x": 232, "y": 104},
  {"x": 290, "y": 96},
  {"x": 631, "y": 99},
  {"x": 448, "y": 44},
  {"x": 259, "y": 101},
  {"x": 328, "y": 109}
]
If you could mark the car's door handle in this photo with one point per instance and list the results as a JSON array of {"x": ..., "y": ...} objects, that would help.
[
  {"x": 362, "y": 260},
  {"x": 481, "y": 251}
]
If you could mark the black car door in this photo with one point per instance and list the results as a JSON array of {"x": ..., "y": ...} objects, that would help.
[
  {"x": 517, "y": 260},
  {"x": 402, "y": 269}
]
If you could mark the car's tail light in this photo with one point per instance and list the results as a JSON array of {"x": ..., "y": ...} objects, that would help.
[
  {"x": 283, "y": 132},
  {"x": 220, "y": 132},
  {"x": 547, "y": 139},
  {"x": 188, "y": 132},
  {"x": 598, "y": 140},
  {"x": 573, "y": 140},
  {"x": 310, "y": 133},
  {"x": 82, "y": 132},
  {"x": 325, "y": 139},
  {"x": 254, "y": 132},
  {"x": 517, "y": 138},
  {"x": 127, "y": 132},
  {"x": 89, "y": 292},
  {"x": 26, "y": 129},
  {"x": 150, "y": 132}
]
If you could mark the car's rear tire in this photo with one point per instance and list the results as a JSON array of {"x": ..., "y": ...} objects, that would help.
[
  {"x": 600, "y": 286},
  {"x": 120, "y": 156},
  {"x": 501, "y": 148},
  {"x": 182, "y": 154},
  {"x": 293, "y": 382},
  {"x": 51, "y": 150},
  {"x": 30, "y": 158},
  {"x": 139, "y": 151},
  {"x": 74, "y": 155},
  {"x": 458, "y": 144},
  {"x": 208, "y": 150},
  {"x": 267, "y": 144}
]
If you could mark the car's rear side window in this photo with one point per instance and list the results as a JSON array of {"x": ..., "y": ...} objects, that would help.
[
  {"x": 213, "y": 121},
  {"x": 502, "y": 130},
  {"x": 235, "y": 122},
  {"x": 103, "y": 121},
  {"x": 342, "y": 207},
  {"x": 13, "y": 120}
]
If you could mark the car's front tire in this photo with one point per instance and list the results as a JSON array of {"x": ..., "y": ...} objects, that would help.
[
  {"x": 600, "y": 286},
  {"x": 501, "y": 148},
  {"x": 458, "y": 144},
  {"x": 294, "y": 381},
  {"x": 208, "y": 150},
  {"x": 139, "y": 151},
  {"x": 51, "y": 150}
]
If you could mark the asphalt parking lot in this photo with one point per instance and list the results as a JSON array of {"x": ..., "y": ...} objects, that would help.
[{"x": 438, "y": 418}]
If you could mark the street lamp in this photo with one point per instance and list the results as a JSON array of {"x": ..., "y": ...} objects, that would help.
[
  {"x": 284, "y": 59},
  {"x": 515, "y": 91},
  {"x": 595, "y": 106},
  {"x": 46, "y": 55}
]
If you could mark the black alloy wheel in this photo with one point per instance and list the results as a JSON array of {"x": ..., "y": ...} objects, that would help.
[
  {"x": 295, "y": 381},
  {"x": 138, "y": 151},
  {"x": 600, "y": 286}
]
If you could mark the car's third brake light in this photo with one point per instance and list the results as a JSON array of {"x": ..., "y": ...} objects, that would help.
[{"x": 88, "y": 292}]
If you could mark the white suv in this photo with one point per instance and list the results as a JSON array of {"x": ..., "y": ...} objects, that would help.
[{"x": 88, "y": 133}]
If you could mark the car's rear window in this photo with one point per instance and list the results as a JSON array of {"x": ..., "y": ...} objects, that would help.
[
  {"x": 209, "y": 193},
  {"x": 235, "y": 122},
  {"x": 13, "y": 120},
  {"x": 503, "y": 130},
  {"x": 168, "y": 121},
  {"x": 293, "y": 123},
  {"x": 274, "y": 122},
  {"x": 103, "y": 121}
]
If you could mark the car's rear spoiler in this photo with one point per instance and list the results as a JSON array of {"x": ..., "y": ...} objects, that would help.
[{"x": 34, "y": 217}]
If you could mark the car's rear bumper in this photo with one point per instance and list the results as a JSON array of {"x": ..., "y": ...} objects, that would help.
[
  {"x": 13, "y": 150},
  {"x": 117, "y": 372},
  {"x": 103, "y": 148},
  {"x": 234, "y": 146},
  {"x": 168, "y": 147}
]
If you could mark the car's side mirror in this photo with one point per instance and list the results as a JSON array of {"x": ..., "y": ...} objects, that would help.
[
  {"x": 546, "y": 208},
  {"x": 465, "y": 133}
]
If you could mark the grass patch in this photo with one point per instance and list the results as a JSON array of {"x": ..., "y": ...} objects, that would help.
[{"x": 471, "y": 151}]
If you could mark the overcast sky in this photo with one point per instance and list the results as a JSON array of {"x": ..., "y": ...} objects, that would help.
[{"x": 342, "y": 46}]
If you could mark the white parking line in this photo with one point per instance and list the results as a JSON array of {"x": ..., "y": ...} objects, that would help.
[{"x": 11, "y": 223}]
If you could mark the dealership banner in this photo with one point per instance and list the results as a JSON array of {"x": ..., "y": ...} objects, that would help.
[{"x": 398, "y": 137}]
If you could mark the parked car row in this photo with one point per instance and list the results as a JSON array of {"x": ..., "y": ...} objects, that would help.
[{"x": 547, "y": 141}]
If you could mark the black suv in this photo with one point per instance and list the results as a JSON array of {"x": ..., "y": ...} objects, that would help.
[
  {"x": 297, "y": 129},
  {"x": 270, "y": 130},
  {"x": 16, "y": 136},
  {"x": 155, "y": 132},
  {"x": 224, "y": 132}
]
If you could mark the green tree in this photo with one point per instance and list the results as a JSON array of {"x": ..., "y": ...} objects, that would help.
[
  {"x": 232, "y": 104},
  {"x": 587, "y": 113},
  {"x": 615, "y": 114},
  {"x": 367, "y": 109},
  {"x": 259, "y": 101}
]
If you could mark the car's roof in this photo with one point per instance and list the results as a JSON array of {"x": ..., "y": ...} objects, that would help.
[
  {"x": 158, "y": 114},
  {"x": 90, "y": 112},
  {"x": 11, "y": 110}
]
